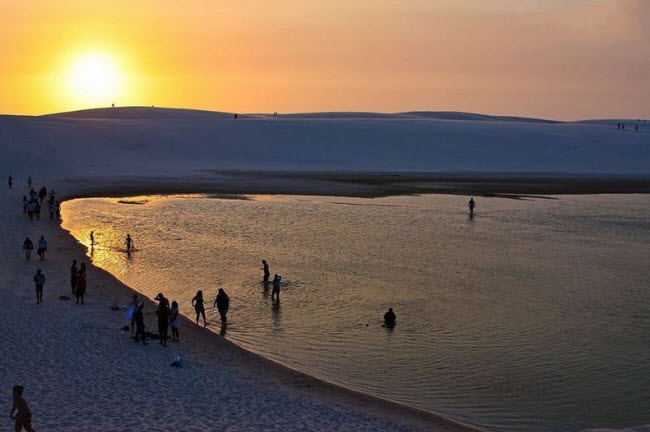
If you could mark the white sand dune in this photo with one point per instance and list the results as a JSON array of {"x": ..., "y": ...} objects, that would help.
[{"x": 144, "y": 141}]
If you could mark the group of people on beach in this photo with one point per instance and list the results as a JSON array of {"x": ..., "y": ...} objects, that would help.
[
  {"x": 622, "y": 126},
  {"x": 28, "y": 247},
  {"x": 34, "y": 201},
  {"x": 168, "y": 316}
]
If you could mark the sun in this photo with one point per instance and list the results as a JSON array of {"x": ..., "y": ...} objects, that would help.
[{"x": 94, "y": 79}]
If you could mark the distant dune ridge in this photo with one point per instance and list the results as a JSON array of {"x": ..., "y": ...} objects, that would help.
[{"x": 147, "y": 140}]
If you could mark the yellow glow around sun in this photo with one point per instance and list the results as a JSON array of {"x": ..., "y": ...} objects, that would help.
[{"x": 94, "y": 79}]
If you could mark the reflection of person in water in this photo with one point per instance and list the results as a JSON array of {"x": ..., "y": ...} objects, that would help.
[{"x": 390, "y": 318}]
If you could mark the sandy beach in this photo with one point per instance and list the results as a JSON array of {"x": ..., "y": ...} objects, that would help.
[{"x": 82, "y": 373}]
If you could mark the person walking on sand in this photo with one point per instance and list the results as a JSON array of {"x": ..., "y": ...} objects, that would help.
[
  {"x": 129, "y": 243},
  {"x": 174, "y": 321},
  {"x": 222, "y": 302},
  {"x": 28, "y": 246},
  {"x": 267, "y": 273},
  {"x": 42, "y": 248},
  {"x": 81, "y": 286},
  {"x": 51, "y": 210},
  {"x": 23, "y": 417},
  {"x": 11, "y": 181},
  {"x": 199, "y": 308},
  {"x": 390, "y": 318},
  {"x": 163, "y": 320},
  {"x": 39, "y": 280},
  {"x": 276, "y": 287},
  {"x": 139, "y": 323},
  {"x": 471, "y": 204}
]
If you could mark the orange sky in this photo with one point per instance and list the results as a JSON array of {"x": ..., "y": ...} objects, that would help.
[{"x": 563, "y": 59}]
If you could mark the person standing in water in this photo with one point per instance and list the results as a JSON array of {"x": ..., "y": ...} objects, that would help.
[
  {"x": 222, "y": 302},
  {"x": 174, "y": 321},
  {"x": 92, "y": 239},
  {"x": 39, "y": 280},
  {"x": 267, "y": 273},
  {"x": 129, "y": 243},
  {"x": 23, "y": 417},
  {"x": 390, "y": 318},
  {"x": 11, "y": 181},
  {"x": 471, "y": 204},
  {"x": 28, "y": 246},
  {"x": 199, "y": 308},
  {"x": 276, "y": 287},
  {"x": 42, "y": 248},
  {"x": 29, "y": 182}
]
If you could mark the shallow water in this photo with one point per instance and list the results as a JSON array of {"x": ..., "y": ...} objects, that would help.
[{"x": 533, "y": 315}]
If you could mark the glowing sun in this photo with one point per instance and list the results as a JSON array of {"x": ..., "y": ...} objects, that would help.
[{"x": 94, "y": 79}]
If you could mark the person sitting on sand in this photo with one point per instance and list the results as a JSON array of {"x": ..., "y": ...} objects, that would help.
[
  {"x": 199, "y": 308},
  {"x": 42, "y": 248},
  {"x": 276, "y": 287},
  {"x": 390, "y": 318},
  {"x": 174, "y": 321},
  {"x": 28, "y": 246},
  {"x": 222, "y": 302},
  {"x": 39, "y": 280},
  {"x": 23, "y": 417},
  {"x": 471, "y": 204},
  {"x": 139, "y": 323},
  {"x": 267, "y": 273},
  {"x": 81, "y": 286}
]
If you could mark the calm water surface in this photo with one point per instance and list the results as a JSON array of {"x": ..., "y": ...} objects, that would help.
[{"x": 533, "y": 315}]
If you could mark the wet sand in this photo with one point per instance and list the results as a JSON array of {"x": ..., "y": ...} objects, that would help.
[{"x": 361, "y": 185}]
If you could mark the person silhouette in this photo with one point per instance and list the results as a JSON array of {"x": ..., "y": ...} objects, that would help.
[
  {"x": 267, "y": 274},
  {"x": 471, "y": 204},
  {"x": 276, "y": 287},
  {"x": 129, "y": 243},
  {"x": 390, "y": 318},
  {"x": 222, "y": 302},
  {"x": 199, "y": 308}
]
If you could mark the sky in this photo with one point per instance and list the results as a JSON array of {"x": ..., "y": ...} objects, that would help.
[{"x": 559, "y": 59}]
